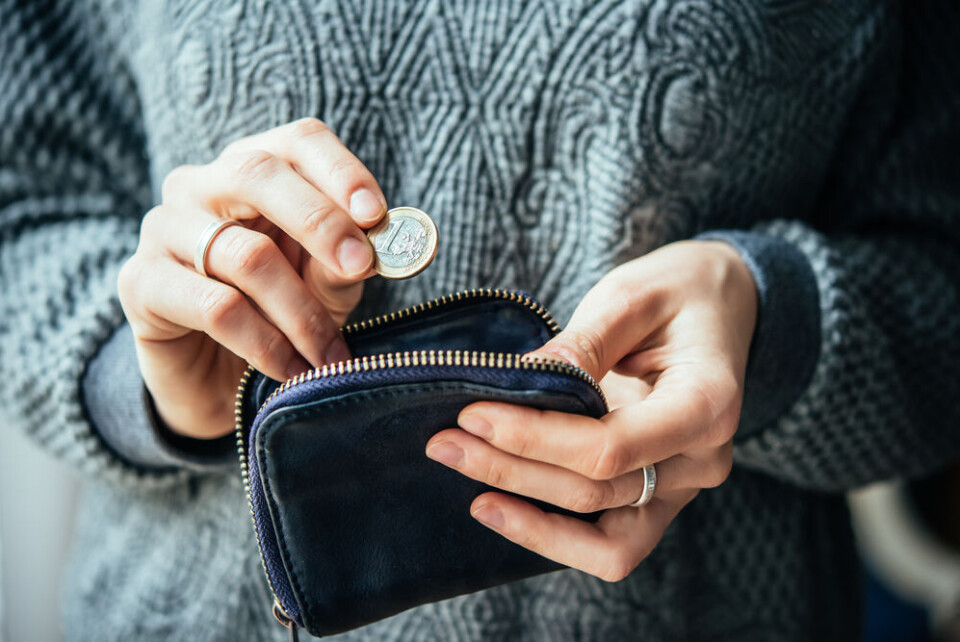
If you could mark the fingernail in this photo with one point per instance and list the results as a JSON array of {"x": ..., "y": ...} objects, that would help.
[
  {"x": 489, "y": 515},
  {"x": 336, "y": 352},
  {"x": 476, "y": 425},
  {"x": 446, "y": 453},
  {"x": 355, "y": 256},
  {"x": 365, "y": 207}
]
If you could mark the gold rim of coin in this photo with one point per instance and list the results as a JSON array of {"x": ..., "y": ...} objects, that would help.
[{"x": 398, "y": 255}]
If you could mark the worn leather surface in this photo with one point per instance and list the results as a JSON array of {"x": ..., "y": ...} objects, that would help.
[{"x": 368, "y": 526}]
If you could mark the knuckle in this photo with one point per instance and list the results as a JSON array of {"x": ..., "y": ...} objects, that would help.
[
  {"x": 318, "y": 217},
  {"x": 496, "y": 474},
  {"x": 620, "y": 292},
  {"x": 618, "y": 567},
  {"x": 346, "y": 165},
  {"x": 702, "y": 403},
  {"x": 175, "y": 181},
  {"x": 255, "y": 165},
  {"x": 725, "y": 428},
  {"x": 609, "y": 462},
  {"x": 151, "y": 223},
  {"x": 717, "y": 473},
  {"x": 710, "y": 404},
  {"x": 218, "y": 305},
  {"x": 631, "y": 298},
  {"x": 519, "y": 442},
  {"x": 267, "y": 350},
  {"x": 717, "y": 400},
  {"x": 583, "y": 347},
  {"x": 309, "y": 128},
  {"x": 530, "y": 539},
  {"x": 232, "y": 149},
  {"x": 237, "y": 146},
  {"x": 590, "y": 344},
  {"x": 719, "y": 468},
  {"x": 727, "y": 387},
  {"x": 128, "y": 279},
  {"x": 597, "y": 495},
  {"x": 313, "y": 324},
  {"x": 628, "y": 299},
  {"x": 251, "y": 253}
]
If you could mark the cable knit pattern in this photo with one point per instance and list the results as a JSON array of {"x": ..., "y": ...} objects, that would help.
[{"x": 552, "y": 140}]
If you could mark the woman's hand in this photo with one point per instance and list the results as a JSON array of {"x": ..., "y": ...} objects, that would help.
[
  {"x": 668, "y": 334},
  {"x": 280, "y": 285}
]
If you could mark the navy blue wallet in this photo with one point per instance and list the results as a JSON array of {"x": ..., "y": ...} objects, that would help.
[{"x": 353, "y": 521}]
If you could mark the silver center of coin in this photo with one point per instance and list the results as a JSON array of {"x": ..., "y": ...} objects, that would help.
[{"x": 402, "y": 243}]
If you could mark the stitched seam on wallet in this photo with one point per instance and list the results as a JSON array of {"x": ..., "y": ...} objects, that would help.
[{"x": 354, "y": 400}]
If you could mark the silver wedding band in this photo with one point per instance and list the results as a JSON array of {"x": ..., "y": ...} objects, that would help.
[
  {"x": 206, "y": 240},
  {"x": 649, "y": 486}
]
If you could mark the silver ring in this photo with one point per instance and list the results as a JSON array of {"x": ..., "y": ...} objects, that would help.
[
  {"x": 649, "y": 486},
  {"x": 206, "y": 240}
]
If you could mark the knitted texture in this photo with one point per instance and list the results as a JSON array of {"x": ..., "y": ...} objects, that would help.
[{"x": 551, "y": 140}]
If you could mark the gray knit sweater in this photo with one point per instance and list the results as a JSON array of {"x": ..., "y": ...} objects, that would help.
[{"x": 552, "y": 140}]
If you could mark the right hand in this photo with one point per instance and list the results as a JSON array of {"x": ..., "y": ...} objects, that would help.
[{"x": 279, "y": 286}]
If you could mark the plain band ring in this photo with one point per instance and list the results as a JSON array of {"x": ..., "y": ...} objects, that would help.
[
  {"x": 649, "y": 486},
  {"x": 206, "y": 240}
]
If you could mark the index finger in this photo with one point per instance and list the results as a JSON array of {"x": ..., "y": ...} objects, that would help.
[
  {"x": 248, "y": 184},
  {"x": 673, "y": 420},
  {"x": 314, "y": 150}
]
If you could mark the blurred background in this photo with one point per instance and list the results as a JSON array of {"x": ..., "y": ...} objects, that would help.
[
  {"x": 909, "y": 538},
  {"x": 37, "y": 496}
]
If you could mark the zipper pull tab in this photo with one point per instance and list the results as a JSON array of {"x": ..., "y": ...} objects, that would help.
[{"x": 281, "y": 616}]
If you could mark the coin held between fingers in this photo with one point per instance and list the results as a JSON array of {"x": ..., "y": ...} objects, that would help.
[{"x": 404, "y": 243}]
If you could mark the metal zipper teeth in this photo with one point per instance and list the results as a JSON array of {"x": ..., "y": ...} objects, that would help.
[
  {"x": 377, "y": 322},
  {"x": 278, "y": 611},
  {"x": 462, "y": 295},
  {"x": 416, "y": 358}
]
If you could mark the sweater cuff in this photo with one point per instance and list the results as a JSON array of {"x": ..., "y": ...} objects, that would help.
[
  {"x": 786, "y": 341},
  {"x": 122, "y": 411}
]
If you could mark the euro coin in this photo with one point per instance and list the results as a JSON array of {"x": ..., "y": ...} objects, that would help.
[{"x": 404, "y": 242}]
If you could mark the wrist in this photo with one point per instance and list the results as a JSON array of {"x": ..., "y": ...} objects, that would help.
[
  {"x": 785, "y": 346},
  {"x": 736, "y": 293},
  {"x": 205, "y": 446},
  {"x": 120, "y": 409}
]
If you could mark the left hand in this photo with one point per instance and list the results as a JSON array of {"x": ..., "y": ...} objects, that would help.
[{"x": 667, "y": 335}]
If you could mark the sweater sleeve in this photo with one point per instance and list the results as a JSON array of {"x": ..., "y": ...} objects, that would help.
[
  {"x": 73, "y": 186},
  {"x": 124, "y": 414},
  {"x": 883, "y": 397}
]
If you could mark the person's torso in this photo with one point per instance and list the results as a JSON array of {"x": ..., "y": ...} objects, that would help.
[{"x": 550, "y": 140}]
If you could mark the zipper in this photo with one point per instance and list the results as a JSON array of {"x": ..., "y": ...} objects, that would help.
[
  {"x": 412, "y": 358},
  {"x": 415, "y": 358},
  {"x": 278, "y": 611},
  {"x": 462, "y": 295},
  {"x": 281, "y": 615}
]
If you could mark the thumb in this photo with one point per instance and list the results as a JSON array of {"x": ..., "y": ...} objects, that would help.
[
  {"x": 607, "y": 325},
  {"x": 584, "y": 347}
]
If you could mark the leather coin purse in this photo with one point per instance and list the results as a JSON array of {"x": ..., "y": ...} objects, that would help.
[{"x": 353, "y": 521}]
